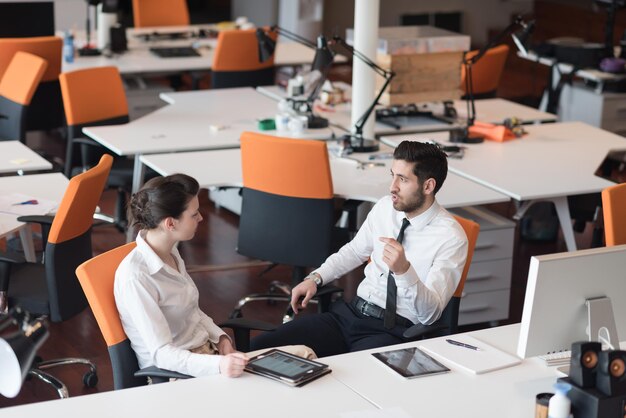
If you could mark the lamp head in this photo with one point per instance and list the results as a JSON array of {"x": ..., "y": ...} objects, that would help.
[
  {"x": 17, "y": 352},
  {"x": 266, "y": 45},
  {"x": 323, "y": 56},
  {"x": 522, "y": 37}
]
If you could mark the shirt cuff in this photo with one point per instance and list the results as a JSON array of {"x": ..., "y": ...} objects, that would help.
[
  {"x": 204, "y": 364},
  {"x": 325, "y": 274},
  {"x": 408, "y": 279}
]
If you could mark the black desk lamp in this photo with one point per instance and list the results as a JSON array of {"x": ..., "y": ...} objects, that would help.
[
  {"x": 18, "y": 350},
  {"x": 355, "y": 141},
  {"x": 463, "y": 135},
  {"x": 321, "y": 62}
]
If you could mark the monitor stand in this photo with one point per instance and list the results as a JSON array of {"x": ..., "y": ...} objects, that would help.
[{"x": 600, "y": 315}]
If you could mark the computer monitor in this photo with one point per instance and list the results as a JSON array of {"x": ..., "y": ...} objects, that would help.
[
  {"x": 26, "y": 19},
  {"x": 558, "y": 290}
]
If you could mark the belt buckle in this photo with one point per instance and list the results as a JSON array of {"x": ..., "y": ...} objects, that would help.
[{"x": 363, "y": 306}]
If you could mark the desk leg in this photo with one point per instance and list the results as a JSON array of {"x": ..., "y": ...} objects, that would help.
[
  {"x": 26, "y": 236},
  {"x": 139, "y": 171},
  {"x": 562, "y": 211}
]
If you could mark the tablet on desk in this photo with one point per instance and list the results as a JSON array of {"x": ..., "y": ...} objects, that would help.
[
  {"x": 411, "y": 362},
  {"x": 286, "y": 368}
]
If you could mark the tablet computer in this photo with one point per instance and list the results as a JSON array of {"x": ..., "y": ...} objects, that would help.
[
  {"x": 411, "y": 362},
  {"x": 286, "y": 368}
]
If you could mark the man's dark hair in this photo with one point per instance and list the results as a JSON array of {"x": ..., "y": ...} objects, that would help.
[{"x": 430, "y": 161}]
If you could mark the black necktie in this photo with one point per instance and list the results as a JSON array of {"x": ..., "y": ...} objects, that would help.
[{"x": 392, "y": 289}]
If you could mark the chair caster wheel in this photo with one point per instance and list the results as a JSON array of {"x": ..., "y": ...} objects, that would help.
[{"x": 90, "y": 379}]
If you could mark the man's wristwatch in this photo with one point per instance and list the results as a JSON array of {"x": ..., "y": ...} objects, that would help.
[{"x": 316, "y": 279}]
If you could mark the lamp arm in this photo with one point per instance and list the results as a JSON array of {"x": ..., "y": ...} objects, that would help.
[
  {"x": 293, "y": 36},
  {"x": 378, "y": 69},
  {"x": 358, "y": 127},
  {"x": 482, "y": 51}
]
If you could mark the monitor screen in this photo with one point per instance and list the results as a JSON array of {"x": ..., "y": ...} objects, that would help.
[
  {"x": 555, "y": 309},
  {"x": 25, "y": 19}
]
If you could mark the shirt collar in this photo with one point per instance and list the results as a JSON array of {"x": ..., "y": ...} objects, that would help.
[
  {"x": 153, "y": 261},
  {"x": 420, "y": 221}
]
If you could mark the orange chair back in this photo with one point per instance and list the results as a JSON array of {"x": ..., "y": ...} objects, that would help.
[
  {"x": 97, "y": 277},
  {"x": 487, "y": 71},
  {"x": 238, "y": 50},
  {"x": 46, "y": 47},
  {"x": 75, "y": 214},
  {"x": 613, "y": 209},
  {"x": 160, "y": 13},
  {"x": 93, "y": 95},
  {"x": 261, "y": 154},
  {"x": 472, "y": 229},
  {"x": 21, "y": 78}
]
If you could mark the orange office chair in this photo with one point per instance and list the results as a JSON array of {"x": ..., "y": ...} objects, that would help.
[
  {"x": 17, "y": 87},
  {"x": 449, "y": 320},
  {"x": 97, "y": 277},
  {"x": 160, "y": 13},
  {"x": 286, "y": 219},
  {"x": 613, "y": 209},
  {"x": 486, "y": 73},
  {"x": 236, "y": 61},
  {"x": 45, "y": 110},
  {"x": 96, "y": 97},
  {"x": 51, "y": 288}
]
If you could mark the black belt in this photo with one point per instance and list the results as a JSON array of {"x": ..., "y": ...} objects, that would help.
[{"x": 374, "y": 311}]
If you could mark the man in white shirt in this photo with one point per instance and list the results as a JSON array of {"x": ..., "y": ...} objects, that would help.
[{"x": 413, "y": 270}]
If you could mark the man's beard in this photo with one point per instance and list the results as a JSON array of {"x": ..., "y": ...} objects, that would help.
[{"x": 415, "y": 203}]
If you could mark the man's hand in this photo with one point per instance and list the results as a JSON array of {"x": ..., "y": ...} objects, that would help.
[
  {"x": 306, "y": 290},
  {"x": 225, "y": 346},
  {"x": 231, "y": 365},
  {"x": 394, "y": 257}
]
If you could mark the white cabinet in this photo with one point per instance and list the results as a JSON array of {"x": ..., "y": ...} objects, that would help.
[
  {"x": 604, "y": 110},
  {"x": 488, "y": 286}
]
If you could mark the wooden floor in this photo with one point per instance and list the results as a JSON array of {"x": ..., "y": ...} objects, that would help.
[{"x": 220, "y": 288}]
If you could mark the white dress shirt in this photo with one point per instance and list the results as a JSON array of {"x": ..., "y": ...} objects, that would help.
[
  {"x": 159, "y": 310},
  {"x": 434, "y": 244}
]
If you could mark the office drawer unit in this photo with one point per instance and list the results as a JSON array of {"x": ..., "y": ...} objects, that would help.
[
  {"x": 488, "y": 285},
  {"x": 604, "y": 110}
]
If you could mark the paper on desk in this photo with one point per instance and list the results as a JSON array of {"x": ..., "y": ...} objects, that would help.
[
  {"x": 8, "y": 205},
  {"x": 486, "y": 360},
  {"x": 395, "y": 412}
]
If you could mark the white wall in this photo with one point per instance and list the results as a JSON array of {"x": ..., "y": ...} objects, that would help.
[
  {"x": 260, "y": 12},
  {"x": 478, "y": 15}
]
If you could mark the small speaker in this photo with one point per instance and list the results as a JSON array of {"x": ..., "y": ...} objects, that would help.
[
  {"x": 118, "y": 39},
  {"x": 611, "y": 375},
  {"x": 584, "y": 362}
]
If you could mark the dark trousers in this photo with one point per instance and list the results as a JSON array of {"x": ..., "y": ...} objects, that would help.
[{"x": 338, "y": 331}]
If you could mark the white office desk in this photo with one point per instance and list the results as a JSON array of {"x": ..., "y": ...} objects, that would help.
[
  {"x": 50, "y": 186},
  {"x": 506, "y": 393},
  {"x": 219, "y": 396},
  {"x": 487, "y": 110},
  {"x": 550, "y": 163},
  {"x": 16, "y": 157},
  {"x": 186, "y": 125},
  {"x": 223, "y": 169}
]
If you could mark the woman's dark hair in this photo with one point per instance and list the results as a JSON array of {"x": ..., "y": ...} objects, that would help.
[
  {"x": 160, "y": 198},
  {"x": 430, "y": 161}
]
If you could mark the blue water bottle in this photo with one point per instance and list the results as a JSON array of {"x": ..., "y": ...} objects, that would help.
[{"x": 68, "y": 47}]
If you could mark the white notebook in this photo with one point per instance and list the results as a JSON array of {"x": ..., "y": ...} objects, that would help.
[{"x": 486, "y": 359}]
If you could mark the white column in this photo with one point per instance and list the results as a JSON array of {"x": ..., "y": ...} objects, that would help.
[{"x": 366, "y": 14}]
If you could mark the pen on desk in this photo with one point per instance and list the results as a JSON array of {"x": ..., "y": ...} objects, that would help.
[
  {"x": 460, "y": 344},
  {"x": 26, "y": 202}
]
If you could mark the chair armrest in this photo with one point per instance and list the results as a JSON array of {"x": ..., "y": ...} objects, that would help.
[
  {"x": 241, "y": 329},
  {"x": 422, "y": 331},
  {"x": 324, "y": 296},
  {"x": 37, "y": 219},
  {"x": 44, "y": 220},
  {"x": 160, "y": 375},
  {"x": 328, "y": 289}
]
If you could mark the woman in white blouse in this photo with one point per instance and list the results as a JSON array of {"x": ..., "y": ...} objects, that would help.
[{"x": 155, "y": 296}]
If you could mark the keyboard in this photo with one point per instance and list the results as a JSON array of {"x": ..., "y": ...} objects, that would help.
[
  {"x": 557, "y": 359},
  {"x": 175, "y": 52}
]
